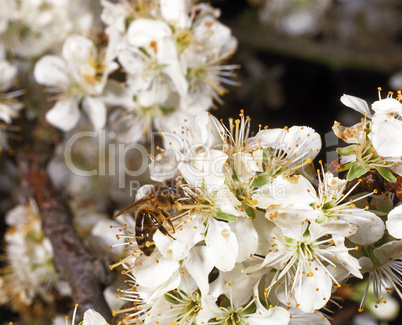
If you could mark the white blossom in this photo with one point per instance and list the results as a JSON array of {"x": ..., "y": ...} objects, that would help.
[
  {"x": 301, "y": 266},
  {"x": 80, "y": 75},
  {"x": 32, "y": 27}
]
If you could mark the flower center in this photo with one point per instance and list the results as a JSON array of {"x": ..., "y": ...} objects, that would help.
[
  {"x": 183, "y": 38},
  {"x": 186, "y": 307}
]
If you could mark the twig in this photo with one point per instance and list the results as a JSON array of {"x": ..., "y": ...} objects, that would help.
[{"x": 86, "y": 276}]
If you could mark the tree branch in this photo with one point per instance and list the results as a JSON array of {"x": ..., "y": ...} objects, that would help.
[{"x": 86, "y": 276}]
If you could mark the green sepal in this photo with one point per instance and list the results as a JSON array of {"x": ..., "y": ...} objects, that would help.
[
  {"x": 368, "y": 251},
  {"x": 387, "y": 174},
  {"x": 203, "y": 184},
  {"x": 382, "y": 208},
  {"x": 346, "y": 166},
  {"x": 249, "y": 210},
  {"x": 260, "y": 181},
  {"x": 357, "y": 170},
  {"x": 265, "y": 154},
  {"x": 225, "y": 216},
  {"x": 166, "y": 110},
  {"x": 225, "y": 304},
  {"x": 346, "y": 151},
  {"x": 250, "y": 309},
  {"x": 169, "y": 298}
]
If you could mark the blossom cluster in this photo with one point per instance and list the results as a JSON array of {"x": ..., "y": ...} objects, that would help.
[
  {"x": 29, "y": 273},
  {"x": 250, "y": 237},
  {"x": 9, "y": 104},
  {"x": 241, "y": 228},
  {"x": 166, "y": 58}
]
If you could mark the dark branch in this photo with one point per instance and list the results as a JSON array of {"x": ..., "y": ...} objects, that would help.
[{"x": 86, "y": 276}]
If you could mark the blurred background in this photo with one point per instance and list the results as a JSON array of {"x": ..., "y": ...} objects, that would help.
[{"x": 299, "y": 56}]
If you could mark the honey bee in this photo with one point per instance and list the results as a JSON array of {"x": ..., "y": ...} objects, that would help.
[{"x": 154, "y": 209}]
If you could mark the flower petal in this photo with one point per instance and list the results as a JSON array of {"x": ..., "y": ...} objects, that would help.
[
  {"x": 64, "y": 114},
  {"x": 199, "y": 266},
  {"x": 386, "y": 136},
  {"x": 247, "y": 238},
  {"x": 175, "y": 12},
  {"x": 370, "y": 227},
  {"x": 275, "y": 315},
  {"x": 91, "y": 317},
  {"x": 186, "y": 236},
  {"x": 96, "y": 111},
  {"x": 387, "y": 105},
  {"x": 153, "y": 271},
  {"x": 394, "y": 222},
  {"x": 222, "y": 245},
  {"x": 356, "y": 103},
  {"x": 51, "y": 70},
  {"x": 310, "y": 292}
]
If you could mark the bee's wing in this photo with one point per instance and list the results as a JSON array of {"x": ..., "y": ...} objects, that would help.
[{"x": 134, "y": 206}]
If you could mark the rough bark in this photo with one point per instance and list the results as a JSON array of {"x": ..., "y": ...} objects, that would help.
[{"x": 86, "y": 275}]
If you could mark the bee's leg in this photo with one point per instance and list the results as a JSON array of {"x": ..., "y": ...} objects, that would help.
[
  {"x": 167, "y": 216},
  {"x": 161, "y": 228}
]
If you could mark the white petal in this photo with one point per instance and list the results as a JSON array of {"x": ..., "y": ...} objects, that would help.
[
  {"x": 96, "y": 111},
  {"x": 275, "y": 315},
  {"x": 292, "y": 221},
  {"x": 335, "y": 228},
  {"x": 186, "y": 236},
  {"x": 366, "y": 264},
  {"x": 310, "y": 292},
  {"x": 356, "y": 103},
  {"x": 300, "y": 318},
  {"x": 91, "y": 317},
  {"x": 77, "y": 50},
  {"x": 247, "y": 238},
  {"x": 210, "y": 172},
  {"x": 157, "y": 94},
  {"x": 392, "y": 249},
  {"x": 175, "y": 12},
  {"x": 370, "y": 227},
  {"x": 153, "y": 271},
  {"x": 339, "y": 255},
  {"x": 8, "y": 72},
  {"x": 222, "y": 245},
  {"x": 264, "y": 229},
  {"x": 158, "y": 313},
  {"x": 134, "y": 65},
  {"x": 52, "y": 70},
  {"x": 387, "y": 105},
  {"x": 116, "y": 95},
  {"x": 299, "y": 142},
  {"x": 227, "y": 202},
  {"x": 164, "y": 166},
  {"x": 64, "y": 114},
  {"x": 143, "y": 31},
  {"x": 206, "y": 131},
  {"x": 245, "y": 166},
  {"x": 172, "y": 283},
  {"x": 293, "y": 190},
  {"x": 237, "y": 285},
  {"x": 386, "y": 136},
  {"x": 394, "y": 222},
  {"x": 199, "y": 266},
  {"x": 276, "y": 258},
  {"x": 209, "y": 309}
]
